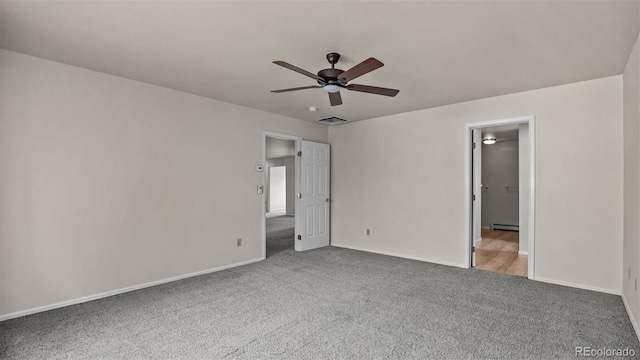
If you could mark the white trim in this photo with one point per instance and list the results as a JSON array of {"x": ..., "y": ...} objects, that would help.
[
  {"x": 476, "y": 241},
  {"x": 508, "y": 121},
  {"x": 297, "y": 140},
  {"x": 105, "y": 294},
  {"x": 636, "y": 328},
  {"x": 468, "y": 191},
  {"x": 399, "y": 255},
  {"x": 476, "y": 183},
  {"x": 530, "y": 119},
  {"x": 532, "y": 197},
  {"x": 578, "y": 286},
  {"x": 523, "y": 253}
]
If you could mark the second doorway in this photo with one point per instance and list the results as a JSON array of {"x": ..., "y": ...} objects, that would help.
[
  {"x": 280, "y": 195},
  {"x": 500, "y": 165}
]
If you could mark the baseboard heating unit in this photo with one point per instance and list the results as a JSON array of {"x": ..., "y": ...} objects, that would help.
[{"x": 505, "y": 227}]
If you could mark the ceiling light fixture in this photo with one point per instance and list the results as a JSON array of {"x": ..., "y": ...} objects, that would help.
[
  {"x": 489, "y": 140},
  {"x": 332, "y": 88}
]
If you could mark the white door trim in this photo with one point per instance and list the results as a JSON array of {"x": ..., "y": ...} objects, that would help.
[
  {"x": 297, "y": 139},
  {"x": 468, "y": 241}
]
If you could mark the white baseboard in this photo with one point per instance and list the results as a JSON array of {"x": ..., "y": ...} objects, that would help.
[
  {"x": 631, "y": 317},
  {"x": 578, "y": 286},
  {"x": 83, "y": 299},
  {"x": 523, "y": 253},
  {"x": 399, "y": 255},
  {"x": 476, "y": 241}
]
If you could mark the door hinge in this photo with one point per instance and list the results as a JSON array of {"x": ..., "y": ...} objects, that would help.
[
  {"x": 299, "y": 153},
  {"x": 299, "y": 237},
  {"x": 473, "y": 249},
  {"x": 473, "y": 145},
  {"x": 473, "y": 197}
]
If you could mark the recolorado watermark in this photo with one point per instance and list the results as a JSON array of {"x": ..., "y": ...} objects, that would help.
[{"x": 588, "y": 351}]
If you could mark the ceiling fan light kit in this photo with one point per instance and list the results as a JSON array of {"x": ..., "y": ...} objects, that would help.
[
  {"x": 332, "y": 88},
  {"x": 333, "y": 80}
]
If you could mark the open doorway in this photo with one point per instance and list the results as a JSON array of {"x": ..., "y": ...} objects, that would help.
[
  {"x": 280, "y": 195},
  {"x": 501, "y": 201},
  {"x": 297, "y": 218},
  {"x": 498, "y": 248}
]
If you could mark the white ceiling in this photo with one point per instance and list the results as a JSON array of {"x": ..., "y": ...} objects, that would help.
[{"x": 436, "y": 52}]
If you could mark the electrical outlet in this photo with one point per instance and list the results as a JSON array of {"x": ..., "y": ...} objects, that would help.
[
  {"x": 368, "y": 232},
  {"x": 239, "y": 242}
]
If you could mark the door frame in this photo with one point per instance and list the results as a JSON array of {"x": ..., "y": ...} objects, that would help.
[
  {"x": 296, "y": 139},
  {"x": 468, "y": 191}
]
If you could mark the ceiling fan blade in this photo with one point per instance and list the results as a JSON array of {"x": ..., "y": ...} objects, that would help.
[
  {"x": 373, "y": 90},
  {"x": 335, "y": 98},
  {"x": 298, "y": 70},
  {"x": 296, "y": 88},
  {"x": 364, "y": 67}
]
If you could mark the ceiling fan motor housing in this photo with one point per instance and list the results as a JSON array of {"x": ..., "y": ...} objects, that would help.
[{"x": 330, "y": 76}]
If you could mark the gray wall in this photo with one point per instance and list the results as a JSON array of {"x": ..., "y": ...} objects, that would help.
[
  {"x": 403, "y": 176},
  {"x": 277, "y": 148},
  {"x": 631, "y": 235},
  {"x": 500, "y": 168},
  {"x": 108, "y": 183}
]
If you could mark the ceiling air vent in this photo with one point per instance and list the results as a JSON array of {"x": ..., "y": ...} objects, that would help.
[{"x": 332, "y": 120}]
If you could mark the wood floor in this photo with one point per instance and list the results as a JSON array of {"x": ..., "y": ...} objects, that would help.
[{"x": 498, "y": 252}]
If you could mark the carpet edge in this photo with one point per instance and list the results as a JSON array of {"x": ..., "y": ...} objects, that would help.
[{"x": 634, "y": 323}]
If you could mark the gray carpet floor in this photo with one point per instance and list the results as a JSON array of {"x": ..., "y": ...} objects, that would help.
[
  {"x": 280, "y": 234},
  {"x": 329, "y": 303}
]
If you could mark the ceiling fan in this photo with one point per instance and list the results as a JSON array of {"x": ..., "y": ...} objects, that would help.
[{"x": 332, "y": 80}]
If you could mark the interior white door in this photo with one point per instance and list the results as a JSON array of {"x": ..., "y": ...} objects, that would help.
[
  {"x": 476, "y": 171},
  {"x": 314, "y": 196}
]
